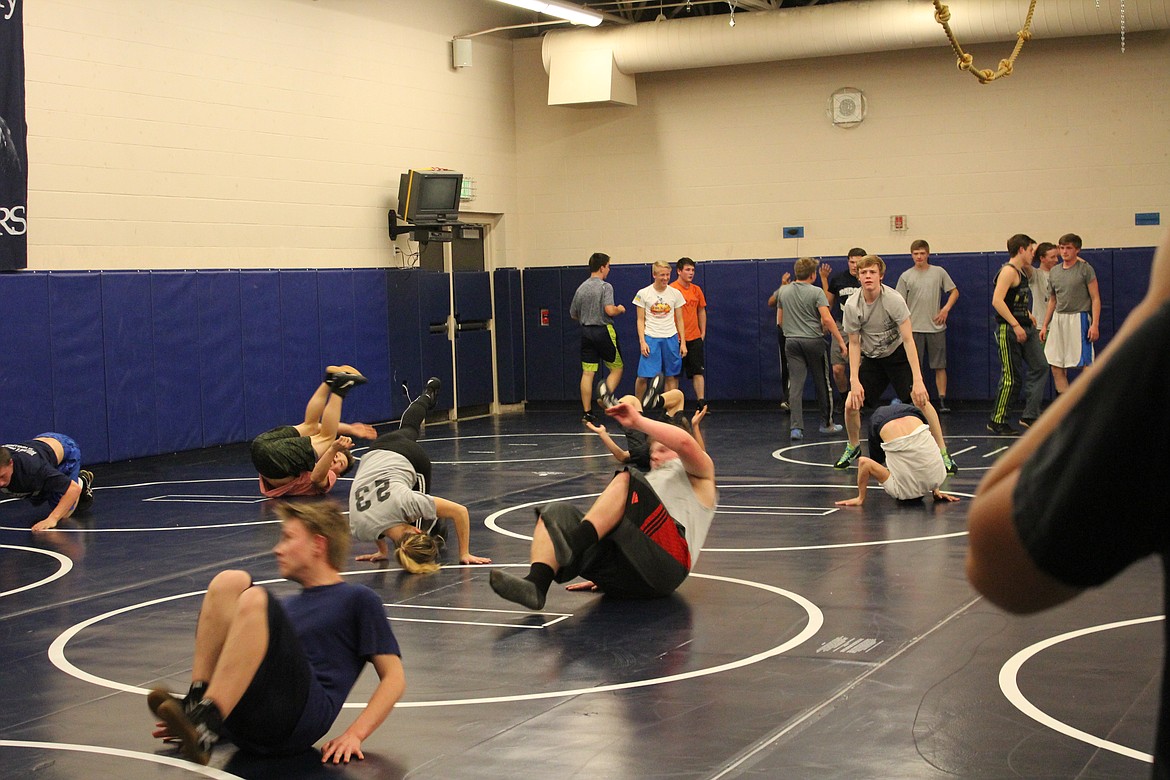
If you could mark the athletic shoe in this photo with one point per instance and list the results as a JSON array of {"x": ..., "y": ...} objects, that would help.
[
  {"x": 831, "y": 428},
  {"x": 942, "y": 407},
  {"x": 784, "y": 406},
  {"x": 1001, "y": 429},
  {"x": 652, "y": 398},
  {"x": 701, "y": 405},
  {"x": 196, "y": 729},
  {"x": 848, "y": 456},
  {"x": 589, "y": 417},
  {"x": 431, "y": 391},
  {"x": 342, "y": 382},
  {"x": 1027, "y": 422},
  {"x": 949, "y": 462},
  {"x": 796, "y": 434},
  {"x": 85, "y": 501},
  {"x": 603, "y": 395},
  {"x": 516, "y": 589}
]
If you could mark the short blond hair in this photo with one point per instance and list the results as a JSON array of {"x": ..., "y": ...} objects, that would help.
[
  {"x": 321, "y": 518},
  {"x": 804, "y": 268},
  {"x": 870, "y": 260}
]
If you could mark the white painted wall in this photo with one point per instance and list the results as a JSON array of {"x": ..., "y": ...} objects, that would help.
[
  {"x": 713, "y": 163},
  {"x": 252, "y": 133},
  {"x": 271, "y": 133}
]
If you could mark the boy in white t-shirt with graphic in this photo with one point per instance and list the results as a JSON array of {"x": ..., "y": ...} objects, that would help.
[{"x": 661, "y": 334}]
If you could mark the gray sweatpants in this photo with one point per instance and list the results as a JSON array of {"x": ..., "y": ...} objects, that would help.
[{"x": 805, "y": 357}]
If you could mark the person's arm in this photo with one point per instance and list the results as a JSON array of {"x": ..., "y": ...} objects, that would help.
[
  {"x": 360, "y": 430},
  {"x": 622, "y": 456},
  {"x": 1002, "y": 283},
  {"x": 390, "y": 689},
  {"x": 462, "y": 519},
  {"x": 614, "y": 310},
  {"x": 645, "y": 348},
  {"x": 63, "y": 509},
  {"x": 695, "y": 420},
  {"x": 703, "y": 322},
  {"x": 779, "y": 313},
  {"x": 682, "y": 334},
  {"x": 1095, "y": 311},
  {"x": 697, "y": 463},
  {"x": 938, "y": 495},
  {"x": 866, "y": 467},
  {"x": 918, "y": 392},
  {"x": 941, "y": 317},
  {"x": 1048, "y": 317},
  {"x": 383, "y": 553},
  {"x": 856, "y": 391},
  {"x": 320, "y": 475},
  {"x": 830, "y": 327},
  {"x": 827, "y": 271}
]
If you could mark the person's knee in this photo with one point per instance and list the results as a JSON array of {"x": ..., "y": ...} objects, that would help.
[
  {"x": 233, "y": 581},
  {"x": 253, "y": 601}
]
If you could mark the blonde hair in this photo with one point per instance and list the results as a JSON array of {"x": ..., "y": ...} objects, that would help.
[
  {"x": 869, "y": 260},
  {"x": 418, "y": 553},
  {"x": 321, "y": 518},
  {"x": 805, "y": 267}
]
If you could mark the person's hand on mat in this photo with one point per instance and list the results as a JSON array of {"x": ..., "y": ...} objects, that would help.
[
  {"x": 473, "y": 559},
  {"x": 373, "y": 557},
  {"x": 45, "y": 524},
  {"x": 855, "y": 501},
  {"x": 342, "y": 749},
  {"x": 941, "y": 496},
  {"x": 587, "y": 585}
]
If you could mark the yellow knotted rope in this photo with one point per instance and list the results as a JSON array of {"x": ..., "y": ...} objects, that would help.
[{"x": 966, "y": 62}]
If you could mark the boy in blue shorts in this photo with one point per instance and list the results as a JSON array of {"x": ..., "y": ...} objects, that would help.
[
  {"x": 47, "y": 469},
  {"x": 660, "y": 330}
]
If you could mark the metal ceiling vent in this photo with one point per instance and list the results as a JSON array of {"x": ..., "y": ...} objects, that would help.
[{"x": 847, "y": 107}]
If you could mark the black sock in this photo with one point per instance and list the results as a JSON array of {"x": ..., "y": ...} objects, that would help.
[
  {"x": 582, "y": 537},
  {"x": 541, "y": 575}
]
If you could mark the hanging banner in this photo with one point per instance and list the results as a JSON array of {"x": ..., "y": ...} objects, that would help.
[{"x": 13, "y": 140}]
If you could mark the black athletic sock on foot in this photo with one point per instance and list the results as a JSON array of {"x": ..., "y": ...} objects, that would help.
[
  {"x": 541, "y": 575},
  {"x": 582, "y": 537}
]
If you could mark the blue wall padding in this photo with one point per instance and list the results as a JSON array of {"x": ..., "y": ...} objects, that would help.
[
  {"x": 407, "y": 334},
  {"x": 509, "y": 327},
  {"x": 1131, "y": 278},
  {"x": 1102, "y": 262},
  {"x": 544, "y": 358},
  {"x": 473, "y": 348},
  {"x": 435, "y": 303},
  {"x": 473, "y": 296},
  {"x": 26, "y": 375},
  {"x": 264, "y": 386},
  {"x": 178, "y": 403},
  {"x": 734, "y": 340},
  {"x": 968, "y": 328},
  {"x": 220, "y": 342},
  {"x": 299, "y": 342},
  {"x": 371, "y": 348},
  {"x": 79, "y": 362},
  {"x": 128, "y": 341}
]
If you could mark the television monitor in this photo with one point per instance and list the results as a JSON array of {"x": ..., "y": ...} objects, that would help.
[{"x": 429, "y": 197}]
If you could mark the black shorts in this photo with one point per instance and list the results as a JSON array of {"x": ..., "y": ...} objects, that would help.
[
  {"x": 599, "y": 344},
  {"x": 397, "y": 441},
  {"x": 878, "y": 421},
  {"x": 695, "y": 359},
  {"x": 876, "y": 374},
  {"x": 632, "y": 561},
  {"x": 282, "y": 452},
  {"x": 268, "y": 712}
]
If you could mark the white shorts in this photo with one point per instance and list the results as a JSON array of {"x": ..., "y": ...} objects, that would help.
[{"x": 1068, "y": 344}]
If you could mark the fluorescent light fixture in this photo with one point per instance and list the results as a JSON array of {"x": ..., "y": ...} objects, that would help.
[{"x": 571, "y": 13}]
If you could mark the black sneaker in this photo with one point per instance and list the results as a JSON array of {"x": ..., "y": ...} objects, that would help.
[
  {"x": 603, "y": 395},
  {"x": 942, "y": 407},
  {"x": 1001, "y": 429},
  {"x": 1027, "y": 422},
  {"x": 589, "y": 417},
  {"x": 341, "y": 382},
  {"x": 848, "y": 456},
  {"x": 196, "y": 729},
  {"x": 431, "y": 391},
  {"x": 85, "y": 501},
  {"x": 652, "y": 398}
]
